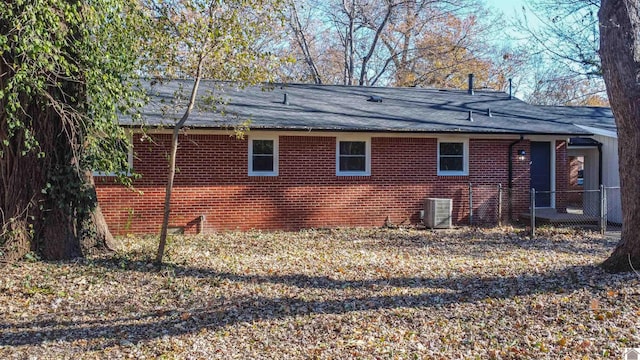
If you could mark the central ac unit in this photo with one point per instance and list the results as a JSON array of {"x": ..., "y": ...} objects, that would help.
[{"x": 437, "y": 213}]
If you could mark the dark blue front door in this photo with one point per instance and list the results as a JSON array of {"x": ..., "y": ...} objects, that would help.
[{"x": 541, "y": 172}]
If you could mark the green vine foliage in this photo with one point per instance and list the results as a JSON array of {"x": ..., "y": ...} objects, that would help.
[
  {"x": 68, "y": 69},
  {"x": 91, "y": 43}
]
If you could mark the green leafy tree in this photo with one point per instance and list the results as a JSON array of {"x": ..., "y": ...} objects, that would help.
[
  {"x": 67, "y": 67},
  {"x": 217, "y": 40}
]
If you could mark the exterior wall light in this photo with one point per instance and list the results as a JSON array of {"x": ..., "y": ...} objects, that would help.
[{"x": 521, "y": 155}]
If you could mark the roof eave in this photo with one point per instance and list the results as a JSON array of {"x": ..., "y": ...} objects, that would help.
[{"x": 374, "y": 130}]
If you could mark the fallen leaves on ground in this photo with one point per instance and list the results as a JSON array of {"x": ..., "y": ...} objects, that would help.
[{"x": 328, "y": 294}]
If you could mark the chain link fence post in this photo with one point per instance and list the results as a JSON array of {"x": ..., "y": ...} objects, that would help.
[
  {"x": 606, "y": 209},
  {"x": 603, "y": 210},
  {"x": 500, "y": 205},
  {"x": 470, "y": 205},
  {"x": 533, "y": 212}
]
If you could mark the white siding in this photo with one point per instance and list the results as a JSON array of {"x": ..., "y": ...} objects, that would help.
[{"x": 611, "y": 176}]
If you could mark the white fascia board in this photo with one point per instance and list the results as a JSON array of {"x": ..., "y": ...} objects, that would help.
[{"x": 371, "y": 134}]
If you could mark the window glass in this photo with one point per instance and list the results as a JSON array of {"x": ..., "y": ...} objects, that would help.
[
  {"x": 262, "y": 163},
  {"x": 352, "y": 164},
  {"x": 352, "y": 148},
  {"x": 451, "y": 149},
  {"x": 263, "y": 147},
  {"x": 451, "y": 156},
  {"x": 353, "y": 155},
  {"x": 263, "y": 157},
  {"x": 451, "y": 164}
]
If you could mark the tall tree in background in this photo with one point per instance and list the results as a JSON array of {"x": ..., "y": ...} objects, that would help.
[
  {"x": 192, "y": 39},
  {"x": 441, "y": 53},
  {"x": 66, "y": 66},
  {"x": 564, "y": 40},
  {"x": 551, "y": 86},
  {"x": 396, "y": 42},
  {"x": 620, "y": 54},
  {"x": 567, "y": 30},
  {"x": 303, "y": 42}
]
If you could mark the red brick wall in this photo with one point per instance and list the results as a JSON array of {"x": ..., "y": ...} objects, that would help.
[
  {"x": 212, "y": 181},
  {"x": 562, "y": 178}
]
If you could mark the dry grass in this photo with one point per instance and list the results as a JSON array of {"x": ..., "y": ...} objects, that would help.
[{"x": 330, "y": 294}]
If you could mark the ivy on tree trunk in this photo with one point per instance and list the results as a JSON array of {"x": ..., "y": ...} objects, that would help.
[{"x": 65, "y": 66}]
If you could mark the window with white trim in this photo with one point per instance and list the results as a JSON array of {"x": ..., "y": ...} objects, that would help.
[
  {"x": 263, "y": 156},
  {"x": 353, "y": 157},
  {"x": 453, "y": 157}
]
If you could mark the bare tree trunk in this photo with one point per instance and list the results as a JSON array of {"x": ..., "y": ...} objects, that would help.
[
  {"x": 303, "y": 43},
  {"x": 167, "y": 197},
  {"x": 374, "y": 43},
  {"x": 172, "y": 163},
  {"x": 620, "y": 54},
  {"x": 94, "y": 232},
  {"x": 18, "y": 206},
  {"x": 59, "y": 237},
  {"x": 349, "y": 51}
]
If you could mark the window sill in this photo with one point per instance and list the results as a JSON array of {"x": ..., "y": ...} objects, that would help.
[
  {"x": 265, "y": 174},
  {"x": 353, "y": 174},
  {"x": 453, "y": 173}
]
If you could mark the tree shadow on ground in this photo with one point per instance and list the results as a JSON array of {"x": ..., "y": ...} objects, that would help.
[
  {"x": 438, "y": 292},
  {"x": 481, "y": 244}
]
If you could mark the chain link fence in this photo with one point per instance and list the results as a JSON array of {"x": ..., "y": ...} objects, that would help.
[
  {"x": 595, "y": 209},
  {"x": 491, "y": 205},
  {"x": 488, "y": 205},
  {"x": 614, "y": 208}
]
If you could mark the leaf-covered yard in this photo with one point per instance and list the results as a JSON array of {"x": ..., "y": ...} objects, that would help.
[{"x": 328, "y": 294}]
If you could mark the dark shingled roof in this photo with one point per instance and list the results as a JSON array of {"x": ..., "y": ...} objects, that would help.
[
  {"x": 596, "y": 117},
  {"x": 356, "y": 108}
]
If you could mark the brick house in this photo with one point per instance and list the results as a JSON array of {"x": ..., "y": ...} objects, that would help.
[{"x": 333, "y": 156}]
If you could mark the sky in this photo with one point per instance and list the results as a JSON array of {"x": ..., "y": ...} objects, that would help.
[
  {"x": 509, "y": 7},
  {"x": 512, "y": 10}
]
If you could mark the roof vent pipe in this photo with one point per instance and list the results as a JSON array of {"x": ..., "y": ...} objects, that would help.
[
  {"x": 489, "y": 114},
  {"x": 510, "y": 89},
  {"x": 470, "y": 118},
  {"x": 286, "y": 100},
  {"x": 470, "y": 91}
]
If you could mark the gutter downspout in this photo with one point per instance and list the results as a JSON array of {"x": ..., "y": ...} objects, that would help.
[
  {"x": 510, "y": 182},
  {"x": 599, "y": 164}
]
